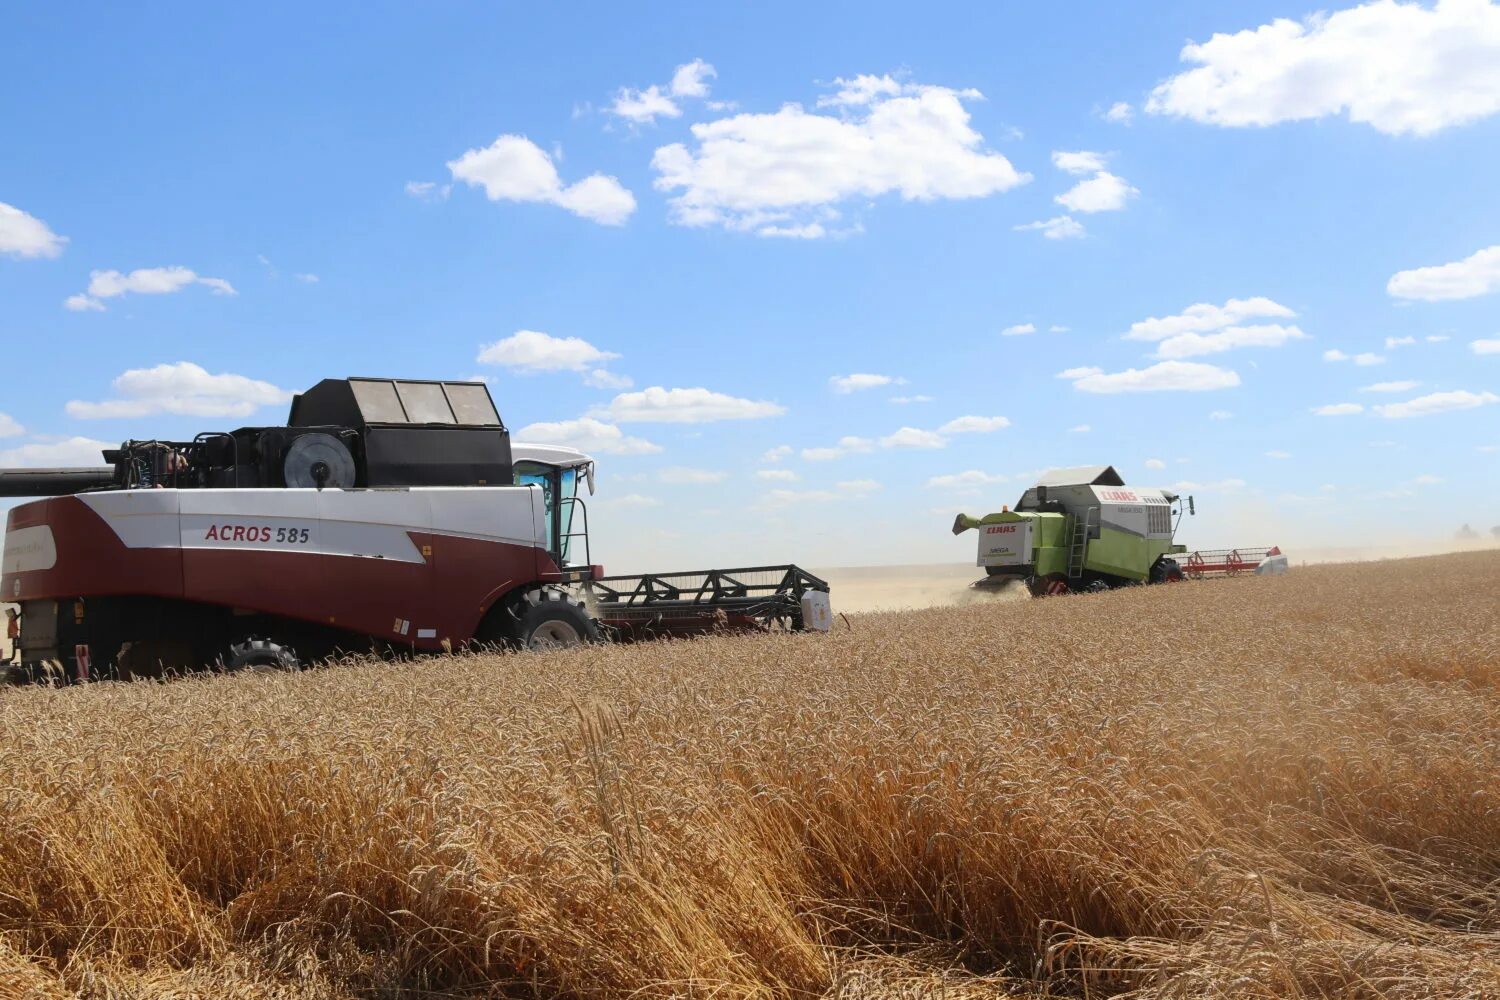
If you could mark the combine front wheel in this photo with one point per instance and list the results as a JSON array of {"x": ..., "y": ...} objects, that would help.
[
  {"x": 1051, "y": 585},
  {"x": 260, "y": 655},
  {"x": 553, "y": 619}
]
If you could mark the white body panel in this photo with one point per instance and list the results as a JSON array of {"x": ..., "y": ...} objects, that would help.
[
  {"x": 1006, "y": 544},
  {"x": 29, "y": 549},
  {"x": 357, "y": 523}
]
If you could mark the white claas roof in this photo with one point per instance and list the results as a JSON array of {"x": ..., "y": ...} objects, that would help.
[
  {"x": 548, "y": 454},
  {"x": 1082, "y": 475}
]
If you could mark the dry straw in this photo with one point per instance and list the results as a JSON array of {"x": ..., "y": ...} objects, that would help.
[{"x": 1254, "y": 788}]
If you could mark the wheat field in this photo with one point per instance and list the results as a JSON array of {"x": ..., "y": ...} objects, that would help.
[{"x": 1264, "y": 787}]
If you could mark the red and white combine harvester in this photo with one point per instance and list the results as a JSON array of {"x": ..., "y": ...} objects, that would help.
[{"x": 387, "y": 515}]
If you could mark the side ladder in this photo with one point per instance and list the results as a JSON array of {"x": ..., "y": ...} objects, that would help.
[{"x": 1078, "y": 550}]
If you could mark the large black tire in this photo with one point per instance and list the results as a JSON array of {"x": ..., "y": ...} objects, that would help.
[
  {"x": 260, "y": 655},
  {"x": 1166, "y": 570},
  {"x": 548, "y": 618}
]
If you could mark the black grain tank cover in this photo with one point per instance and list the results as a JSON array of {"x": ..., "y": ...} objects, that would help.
[{"x": 414, "y": 433}]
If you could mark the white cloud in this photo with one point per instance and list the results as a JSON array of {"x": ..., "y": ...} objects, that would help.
[
  {"x": 964, "y": 480},
  {"x": 1019, "y": 330},
  {"x": 1190, "y": 345},
  {"x": 1437, "y": 402},
  {"x": 1436, "y": 338},
  {"x": 599, "y": 378},
  {"x": 845, "y": 384},
  {"x": 1217, "y": 486},
  {"x": 848, "y": 445},
  {"x": 24, "y": 235},
  {"x": 782, "y": 475},
  {"x": 911, "y": 437},
  {"x": 858, "y": 487},
  {"x": 589, "y": 435},
  {"x": 1083, "y": 372},
  {"x": 1402, "y": 386},
  {"x": 513, "y": 168},
  {"x": 142, "y": 281},
  {"x": 1426, "y": 479},
  {"x": 1338, "y": 409},
  {"x": 777, "y": 453},
  {"x": 1057, "y": 329},
  {"x": 905, "y": 400},
  {"x": 679, "y": 475},
  {"x": 1278, "y": 454},
  {"x": 1063, "y": 227},
  {"x": 1164, "y": 376},
  {"x": 73, "y": 452},
  {"x": 428, "y": 190},
  {"x": 1120, "y": 113},
  {"x": 777, "y": 499},
  {"x": 1221, "y": 415},
  {"x": 1334, "y": 354},
  {"x": 530, "y": 351},
  {"x": 684, "y": 406},
  {"x": 862, "y": 91},
  {"x": 644, "y": 106},
  {"x": 974, "y": 425},
  {"x": 1206, "y": 318},
  {"x": 1477, "y": 274},
  {"x": 807, "y": 231},
  {"x": 1403, "y": 68},
  {"x": 10, "y": 427},
  {"x": 1391, "y": 343},
  {"x": 1155, "y": 463},
  {"x": 1485, "y": 346},
  {"x": 757, "y": 172},
  {"x": 1081, "y": 162},
  {"x": 629, "y": 500},
  {"x": 691, "y": 79},
  {"x": 182, "y": 388},
  {"x": 1080, "y": 429},
  {"x": 1366, "y": 359},
  {"x": 307, "y": 279},
  {"x": 1104, "y": 192}
]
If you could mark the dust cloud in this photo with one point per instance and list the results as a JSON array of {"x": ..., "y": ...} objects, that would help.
[{"x": 895, "y": 588}]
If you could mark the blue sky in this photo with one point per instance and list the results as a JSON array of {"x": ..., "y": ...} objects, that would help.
[{"x": 204, "y": 209}]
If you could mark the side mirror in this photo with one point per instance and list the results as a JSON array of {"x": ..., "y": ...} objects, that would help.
[{"x": 1191, "y": 509}]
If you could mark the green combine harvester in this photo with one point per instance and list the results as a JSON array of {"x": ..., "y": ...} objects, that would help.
[{"x": 1083, "y": 530}]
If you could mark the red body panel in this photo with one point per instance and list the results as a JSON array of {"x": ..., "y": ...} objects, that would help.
[{"x": 445, "y": 596}]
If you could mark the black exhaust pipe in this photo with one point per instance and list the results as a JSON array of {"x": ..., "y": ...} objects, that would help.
[{"x": 54, "y": 482}]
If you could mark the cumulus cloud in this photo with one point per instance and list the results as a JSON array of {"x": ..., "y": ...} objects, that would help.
[
  {"x": 24, "y": 235},
  {"x": 1104, "y": 192},
  {"x": 965, "y": 480},
  {"x": 780, "y": 475},
  {"x": 1063, "y": 227},
  {"x": 184, "y": 389},
  {"x": 142, "y": 281},
  {"x": 1475, "y": 275},
  {"x": 1405, "y": 385},
  {"x": 1221, "y": 415},
  {"x": 684, "y": 406},
  {"x": 1164, "y": 376},
  {"x": 1206, "y": 318},
  {"x": 1120, "y": 112},
  {"x": 588, "y": 435},
  {"x": 1155, "y": 463},
  {"x": 1437, "y": 402},
  {"x": 852, "y": 489},
  {"x": 531, "y": 351},
  {"x": 1189, "y": 345},
  {"x": 513, "y": 168},
  {"x": 71, "y": 452},
  {"x": 974, "y": 425},
  {"x": 845, "y": 384},
  {"x": 759, "y": 172},
  {"x": 912, "y": 437},
  {"x": 777, "y": 453},
  {"x": 1391, "y": 343},
  {"x": 428, "y": 190},
  {"x": 1338, "y": 409},
  {"x": 1403, "y": 68},
  {"x": 848, "y": 445},
  {"x": 10, "y": 427},
  {"x": 679, "y": 475},
  {"x": 1019, "y": 330},
  {"x": 642, "y": 107},
  {"x": 1485, "y": 346},
  {"x": 907, "y": 400}
]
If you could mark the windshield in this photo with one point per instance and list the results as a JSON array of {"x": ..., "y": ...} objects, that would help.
[
  {"x": 559, "y": 487},
  {"x": 567, "y": 490}
]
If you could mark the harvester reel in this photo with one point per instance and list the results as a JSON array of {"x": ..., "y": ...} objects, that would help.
[{"x": 318, "y": 461}]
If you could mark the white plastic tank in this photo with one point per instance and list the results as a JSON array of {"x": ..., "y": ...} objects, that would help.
[{"x": 817, "y": 612}]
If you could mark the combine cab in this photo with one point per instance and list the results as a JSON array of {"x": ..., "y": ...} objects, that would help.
[
  {"x": 386, "y": 515},
  {"x": 1083, "y": 529}
]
